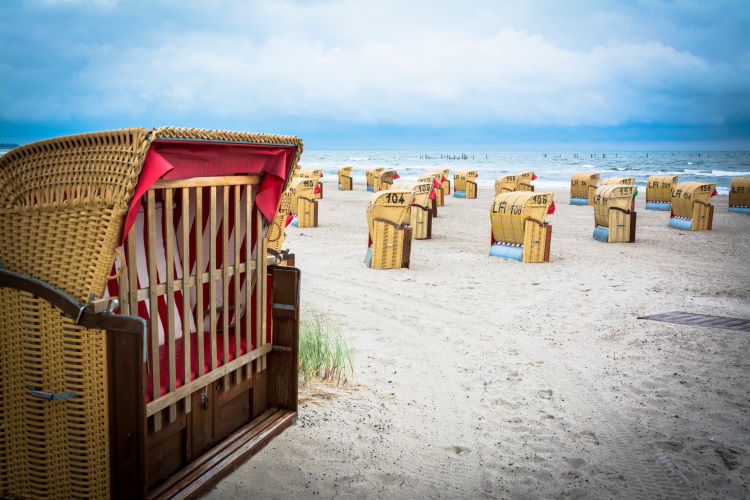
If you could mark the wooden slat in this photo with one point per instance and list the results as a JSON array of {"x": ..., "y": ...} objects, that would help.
[
  {"x": 153, "y": 301},
  {"x": 262, "y": 237},
  {"x": 212, "y": 300},
  {"x": 225, "y": 279},
  {"x": 193, "y": 182},
  {"x": 199, "y": 271},
  {"x": 194, "y": 385},
  {"x": 235, "y": 273},
  {"x": 260, "y": 263},
  {"x": 132, "y": 270},
  {"x": 169, "y": 257},
  {"x": 161, "y": 289},
  {"x": 186, "y": 313},
  {"x": 123, "y": 286},
  {"x": 248, "y": 276}
]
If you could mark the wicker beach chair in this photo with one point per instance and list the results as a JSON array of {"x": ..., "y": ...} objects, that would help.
[
  {"x": 304, "y": 206},
  {"x": 389, "y": 238},
  {"x": 614, "y": 217},
  {"x": 524, "y": 181},
  {"x": 446, "y": 184},
  {"x": 316, "y": 175},
  {"x": 166, "y": 395},
  {"x": 582, "y": 187},
  {"x": 659, "y": 192},
  {"x": 383, "y": 180},
  {"x": 691, "y": 206},
  {"x": 346, "y": 183},
  {"x": 434, "y": 193},
  {"x": 420, "y": 216},
  {"x": 439, "y": 178},
  {"x": 517, "y": 227},
  {"x": 739, "y": 195},
  {"x": 506, "y": 184},
  {"x": 370, "y": 175},
  {"x": 464, "y": 185}
]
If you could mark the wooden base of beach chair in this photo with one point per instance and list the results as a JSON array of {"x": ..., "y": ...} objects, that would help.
[
  {"x": 536, "y": 241},
  {"x": 471, "y": 190},
  {"x": 421, "y": 222},
  {"x": 703, "y": 216},
  {"x": 307, "y": 212},
  {"x": 345, "y": 183},
  {"x": 446, "y": 187},
  {"x": 391, "y": 246},
  {"x": 622, "y": 225}
]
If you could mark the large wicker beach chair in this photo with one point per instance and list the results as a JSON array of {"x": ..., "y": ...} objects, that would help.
[
  {"x": 464, "y": 184},
  {"x": 304, "y": 205},
  {"x": 614, "y": 217},
  {"x": 582, "y": 187},
  {"x": 659, "y": 192},
  {"x": 346, "y": 183},
  {"x": 518, "y": 230},
  {"x": 370, "y": 175},
  {"x": 199, "y": 367},
  {"x": 420, "y": 215},
  {"x": 691, "y": 206},
  {"x": 389, "y": 234},
  {"x": 739, "y": 195},
  {"x": 316, "y": 174}
]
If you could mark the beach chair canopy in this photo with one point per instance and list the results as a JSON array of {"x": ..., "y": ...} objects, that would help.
[
  {"x": 421, "y": 191},
  {"x": 310, "y": 173},
  {"x": 685, "y": 194},
  {"x": 510, "y": 211},
  {"x": 391, "y": 205},
  {"x": 611, "y": 196},
  {"x": 506, "y": 183},
  {"x": 739, "y": 193},
  {"x": 659, "y": 188},
  {"x": 580, "y": 182},
  {"x": 609, "y": 181},
  {"x": 345, "y": 171}
]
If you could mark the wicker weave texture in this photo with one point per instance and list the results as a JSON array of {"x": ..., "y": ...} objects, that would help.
[
  {"x": 51, "y": 448},
  {"x": 387, "y": 246}
]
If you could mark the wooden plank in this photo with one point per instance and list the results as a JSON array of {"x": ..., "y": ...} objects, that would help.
[
  {"x": 186, "y": 312},
  {"x": 199, "y": 321},
  {"x": 132, "y": 270},
  {"x": 153, "y": 302},
  {"x": 200, "y": 382},
  {"x": 283, "y": 372},
  {"x": 161, "y": 289},
  {"x": 249, "y": 199},
  {"x": 168, "y": 225},
  {"x": 123, "y": 285},
  {"x": 236, "y": 276},
  {"x": 225, "y": 279},
  {"x": 192, "y": 182},
  {"x": 212, "y": 299},
  {"x": 260, "y": 284}
]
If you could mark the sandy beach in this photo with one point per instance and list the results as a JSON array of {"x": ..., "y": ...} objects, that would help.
[{"x": 479, "y": 377}]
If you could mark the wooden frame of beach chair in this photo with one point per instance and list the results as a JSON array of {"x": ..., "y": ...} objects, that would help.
[
  {"x": 464, "y": 185},
  {"x": 389, "y": 238},
  {"x": 127, "y": 407},
  {"x": 304, "y": 206},
  {"x": 445, "y": 185},
  {"x": 315, "y": 174},
  {"x": 691, "y": 206},
  {"x": 582, "y": 187},
  {"x": 370, "y": 174},
  {"x": 346, "y": 183},
  {"x": 739, "y": 195},
  {"x": 382, "y": 181},
  {"x": 524, "y": 181},
  {"x": 517, "y": 227},
  {"x": 420, "y": 216},
  {"x": 614, "y": 217},
  {"x": 659, "y": 192}
]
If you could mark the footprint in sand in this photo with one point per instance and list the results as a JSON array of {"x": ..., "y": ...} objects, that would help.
[{"x": 458, "y": 450}]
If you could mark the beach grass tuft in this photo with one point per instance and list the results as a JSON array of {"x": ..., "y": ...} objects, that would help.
[{"x": 323, "y": 352}]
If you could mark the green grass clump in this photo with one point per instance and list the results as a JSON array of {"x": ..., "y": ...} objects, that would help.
[{"x": 323, "y": 352}]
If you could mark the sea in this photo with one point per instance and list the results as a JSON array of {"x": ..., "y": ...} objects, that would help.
[{"x": 553, "y": 169}]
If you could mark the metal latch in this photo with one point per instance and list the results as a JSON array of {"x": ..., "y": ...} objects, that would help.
[
  {"x": 48, "y": 395},
  {"x": 204, "y": 398}
]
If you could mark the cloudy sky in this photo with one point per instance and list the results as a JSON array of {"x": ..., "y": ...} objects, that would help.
[{"x": 385, "y": 75}]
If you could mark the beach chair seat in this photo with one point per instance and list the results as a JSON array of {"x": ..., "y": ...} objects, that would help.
[
  {"x": 123, "y": 376},
  {"x": 518, "y": 230},
  {"x": 346, "y": 183},
  {"x": 383, "y": 180},
  {"x": 739, "y": 195},
  {"x": 691, "y": 206},
  {"x": 464, "y": 184},
  {"x": 315, "y": 174},
  {"x": 582, "y": 187},
  {"x": 420, "y": 214},
  {"x": 614, "y": 215},
  {"x": 304, "y": 206},
  {"x": 659, "y": 192},
  {"x": 389, "y": 234},
  {"x": 370, "y": 175}
]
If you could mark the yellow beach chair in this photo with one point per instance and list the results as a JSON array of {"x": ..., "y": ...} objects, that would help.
[
  {"x": 446, "y": 184},
  {"x": 739, "y": 195},
  {"x": 277, "y": 231},
  {"x": 420, "y": 218},
  {"x": 582, "y": 187},
  {"x": 303, "y": 206},
  {"x": 147, "y": 347},
  {"x": 506, "y": 184},
  {"x": 612, "y": 181},
  {"x": 614, "y": 217},
  {"x": 440, "y": 194},
  {"x": 434, "y": 193},
  {"x": 389, "y": 234},
  {"x": 518, "y": 229},
  {"x": 316, "y": 175},
  {"x": 370, "y": 175},
  {"x": 464, "y": 185},
  {"x": 691, "y": 206},
  {"x": 346, "y": 183},
  {"x": 383, "y": 180},
  {"x": 659, "y": 192},
  {"x": 524, "y": 181}
]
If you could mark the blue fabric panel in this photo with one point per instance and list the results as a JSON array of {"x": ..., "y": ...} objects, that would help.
[
  {"x": 459, "y": 194},
  {"x": 740, "y": 210},
  {"x": 579, "y": 201},
  {"x": 680, "y": 223},
  {"x": 368, "y": 257},
  {"x": 601, "y": 233},
  {"x": 339, "y": 187},
  {"x": 651, "y": 205},
  {"x": 294, "y": 221},
  {"x": 371, "y": 188},
  {"x": 506, "y": 251}
]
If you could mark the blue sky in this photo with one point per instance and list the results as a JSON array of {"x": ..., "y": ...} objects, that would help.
[{"x": 385, "y": 75}]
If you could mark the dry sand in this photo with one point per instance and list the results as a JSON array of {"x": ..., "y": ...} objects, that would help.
[{"x": 480, "y": 377}]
